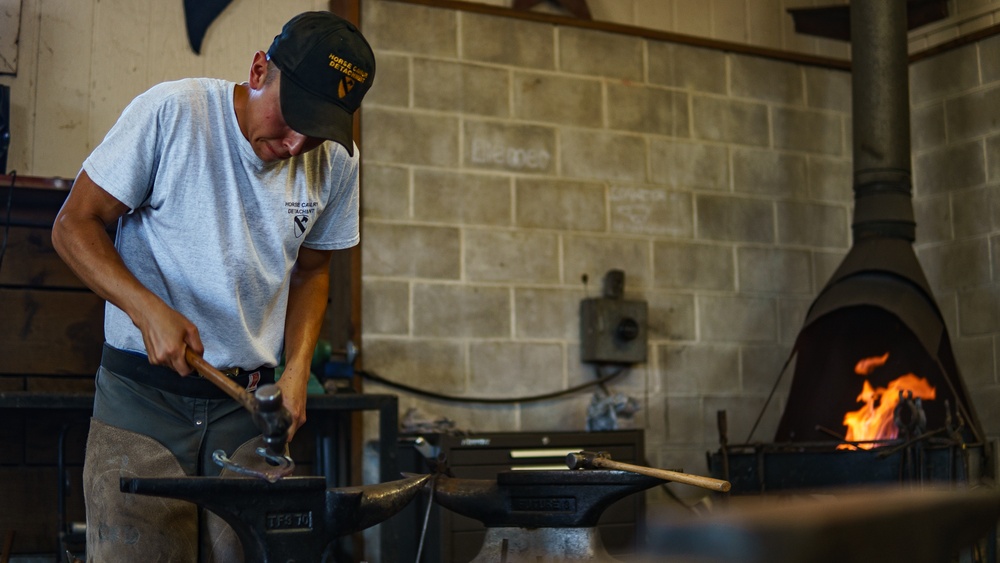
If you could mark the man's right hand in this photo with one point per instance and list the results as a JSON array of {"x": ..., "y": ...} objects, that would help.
[
  {"x": 80, "y": 236},
  {"x": 167, "y": 334}
]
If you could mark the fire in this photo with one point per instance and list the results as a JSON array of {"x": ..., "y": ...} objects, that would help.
[
  {"x": 868, "y": 365},
  {"x": 875, "y": 420}
]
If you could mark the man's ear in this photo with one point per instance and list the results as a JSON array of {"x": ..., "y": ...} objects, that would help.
[{"x": 258, "y": 70}]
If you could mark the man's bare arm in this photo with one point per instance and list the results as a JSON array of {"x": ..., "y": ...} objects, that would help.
[
  {"x": 80, "y": 236},
  {"x": 307, "y": 299}
]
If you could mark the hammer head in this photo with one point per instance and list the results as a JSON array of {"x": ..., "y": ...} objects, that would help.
[
  {"x": 272, "y": 418},
  {"x": 584, "y": 459}
]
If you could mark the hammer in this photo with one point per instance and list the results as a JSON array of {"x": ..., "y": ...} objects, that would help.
[
  {"x": 602, "y": 460},
  {"x": 270, "y": 416}
]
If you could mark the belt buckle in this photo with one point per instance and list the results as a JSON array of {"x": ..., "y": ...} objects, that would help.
[{"x": 231, "y": 373}]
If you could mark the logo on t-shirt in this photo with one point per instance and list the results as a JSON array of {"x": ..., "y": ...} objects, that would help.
[
  {"x": 301, "y": 213},
  {"x": 299, "y": 225}
]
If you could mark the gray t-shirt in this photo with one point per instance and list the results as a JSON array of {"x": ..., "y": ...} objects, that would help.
[{"x": 213, "y": 230}]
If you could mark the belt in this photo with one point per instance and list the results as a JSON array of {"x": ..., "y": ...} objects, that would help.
[{"x": 136, "y": 367}]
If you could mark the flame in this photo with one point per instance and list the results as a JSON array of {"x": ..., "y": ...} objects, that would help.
[
  {"x": 875, "y": 421},
  {"x": 868, "y": 365}
]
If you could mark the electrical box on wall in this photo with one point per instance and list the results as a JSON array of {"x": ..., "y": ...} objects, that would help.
[{"x": 613, "y": 329}]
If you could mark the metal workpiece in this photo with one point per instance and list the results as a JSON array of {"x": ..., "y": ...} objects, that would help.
[
  {"x": 294, "y": 519},
  {"x": 539, "y": 499}
]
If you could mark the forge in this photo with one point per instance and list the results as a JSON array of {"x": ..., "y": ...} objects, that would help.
[{"x": 876, "y": 395}]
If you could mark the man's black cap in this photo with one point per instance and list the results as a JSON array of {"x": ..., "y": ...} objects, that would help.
[{"x": 326, "y": 68}]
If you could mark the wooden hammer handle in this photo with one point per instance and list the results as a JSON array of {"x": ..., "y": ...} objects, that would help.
[
  {"x": 686, "y": 478},
  {"x": 209, "y": 372}
]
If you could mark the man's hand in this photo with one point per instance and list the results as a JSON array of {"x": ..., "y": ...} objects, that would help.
[
  {"x": 294, "y": 384},
  {"x": 167, "y": 334}
]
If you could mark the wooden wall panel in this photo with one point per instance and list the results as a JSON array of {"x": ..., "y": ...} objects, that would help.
[
  {"x": 50, "y": 332},
  {"x": 30, "y": 260}
]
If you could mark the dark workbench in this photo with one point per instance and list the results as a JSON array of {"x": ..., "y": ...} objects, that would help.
[{"x": 329, "y": 422}]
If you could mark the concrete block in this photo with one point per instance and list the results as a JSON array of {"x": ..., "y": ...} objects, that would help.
[
  {"x": 688, "y": 165},
  {"x": 633, "y": 381},
  {"x": 594, "y": 256},
  {"x": 989, "y": 59},
  {"x": 995, "y": 246},
  {"x": 761, "y": 369},
  {"x": 765, "y": 172},
  {"x": 512, "y": 148},
  {"x": 566, "y": 414},
  {"x": 828, "y": 89},
  {"x": 682, "y": 420},
  {"x": 398, "y": 137},
  {"x": 686, "y": 265},
  {"x": 830, "y": 179},
  {"x": 729, "y": 121},
  {"x": 392, "y": 86},
  {"x": 977, "y": 311},
  {"x": 466, "y": 311},
  {"x": 961, "y": 264},
  {"x": 973, "y": 211},
  {"x": 547, "y": 314},
  {"x": 944, "y": 75},
  {"x": 598, "y": 53},
  {"x": 515, "y": 369},
  {"x": 699, "y": 369},
  {"x": 737, "y": 319},
  {"x": 433, "y": 365},
  {"x": 651, "y": 211},
  {"x": 993, "y": 158},
  {"x": 385, "y": 307},
  {"x": 396, "y": 26},
  {"x": 441, "y": 196},
  {"x": 824, "y": 265},
  {"x": 813, "y": 224},
  {"x": 688, "y": 68},
  {"x": 460, "y": 87},
  {"x": 558, "y": 99},
  {"x": 806, "y": 130},
  {"x": 774, "y": 270},
  {"x": 602, "y": 156},
  {"x": 545, "y": 203},
  {"x": 742, "y": 413},
  {"x": 401, "y": 250},
  {"x": 671, "y": 316},
  {"x": 927, "y": 129},
  {"x": 766, "y": 79},
  {"x": 386, "y": 192},
  {"x": 791, "y": 315},
  {"x": 972, "y": 114},
  {"x": 734, "y": 219},
  {"x": 933, "y": 216},
  {"x": 975, "y": 359},
  {"x": 645, "y": 109},
  {"x": 502, "y": 256},
  {"x": 507, "y": 41}
]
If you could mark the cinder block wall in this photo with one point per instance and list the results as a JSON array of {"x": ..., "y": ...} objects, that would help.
[
  {"x": 956, "y": 140},
  {"x": 506, "y": 161}
]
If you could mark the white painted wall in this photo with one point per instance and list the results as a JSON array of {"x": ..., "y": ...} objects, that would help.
[{"x": 81, "y": 61}]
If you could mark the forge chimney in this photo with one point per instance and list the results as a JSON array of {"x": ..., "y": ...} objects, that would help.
[{"x": 878, "y": 300}]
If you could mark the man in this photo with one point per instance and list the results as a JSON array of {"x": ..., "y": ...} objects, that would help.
[{"x": 229, "y": 200}]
